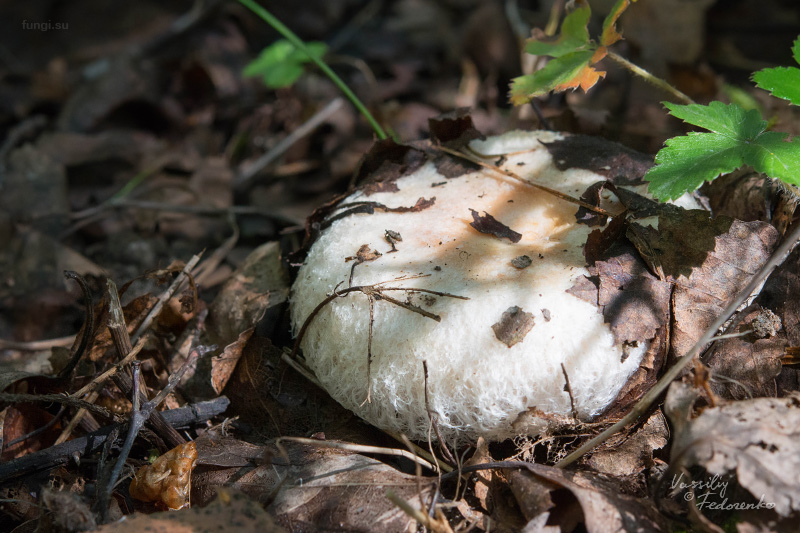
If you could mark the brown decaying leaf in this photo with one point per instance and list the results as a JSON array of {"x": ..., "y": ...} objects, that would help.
[
  {"x": 590, "y": 501},
  {"x": 323, "y": 489},
  {"x": 513, "y": 325},
  {"x": 779, "y": 295},
  {"x": 746, "y": 366},
  {"x": 758, "y": 440},
  {"x": 168, "y": 480},
  {"x": 454, "y": 130},
  {"x": 489, "y": 225},
  {"x": 223, "y": 365},
  {"x": 22, "y": 419},
  {"x": 708, "y": 259},
  {"x": 230, "y": 511},
  {"x": 628, "y": 455},
  {"x": 260, "y": 283},
  {"x": 386, "y": 161},
  {"x": 618, "y": 163}
]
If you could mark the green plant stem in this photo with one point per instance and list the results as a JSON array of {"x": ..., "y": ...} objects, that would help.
[
  {"x": 300, "y": 45},
  {"x": 658, "y": 82}
]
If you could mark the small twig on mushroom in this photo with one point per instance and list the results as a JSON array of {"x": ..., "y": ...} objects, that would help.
[
  {"x": 432, "y": 417},
  {"x": 513, "y": 175},
  {"x": 658, "y": 389},
  {"x": 568, "y": 388},
  {"x": 372, "y": 292}
]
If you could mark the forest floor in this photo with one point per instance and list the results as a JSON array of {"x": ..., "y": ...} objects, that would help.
[{"x": 135, "y": 151}]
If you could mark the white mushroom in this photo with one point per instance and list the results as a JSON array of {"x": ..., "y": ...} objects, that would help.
[{"x": 491, "y": 358}]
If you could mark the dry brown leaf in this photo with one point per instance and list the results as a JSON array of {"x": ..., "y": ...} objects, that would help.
[
  {"x": 260, "y": 284},
  {"x": 758, "y": 440},
  {"x": 323, "y": 489},
  {"x": 231, "y": 511},
  {"x": 550, "y": 496},
  {"x": 635, "y": 452}
]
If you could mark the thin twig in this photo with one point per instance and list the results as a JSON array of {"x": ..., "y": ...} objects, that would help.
[
  {"x": 140, "y": 416},
  {"x": 55, "y": 398},
  {"x": 246, "y": 175},
  {"x": 98, "y": 381},
  {"x": 122, "y": 380},
  {"x": 652, "y": 395},
  {"x": 568, "y": 388},
  {"x": 368, "y": 290},
  {"x": 360, "y": 448},
  {"x": 164, "y": 298},
  {"x": 513, "y": 175},
  {"x": 73, "y": 423},
  {"x": 62, "y": 454},
  {"x": 37, "y": 431},
  {"x": 36, "y": 346},
  {"x": 650, "y": 78},
  {"x": 88, "y": 325}
]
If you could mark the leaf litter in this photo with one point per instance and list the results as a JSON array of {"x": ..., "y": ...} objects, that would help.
[{"x": 176, "y": 127}]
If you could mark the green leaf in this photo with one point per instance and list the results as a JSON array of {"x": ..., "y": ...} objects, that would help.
[
  {"x": 783, "y": 82},
  {"x": 725, "y": 119},
  {"x": 574, "y": 36},
  {"x": 282, "y": 75},
  {"x": 610, "y": 34},
  {"x": 281, "y": 64},
  {"x": 558, "y": 72},
  {"x": 738, "y": 139}
]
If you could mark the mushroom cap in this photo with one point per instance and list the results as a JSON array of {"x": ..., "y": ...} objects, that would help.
[{"x": 494, "y": 361}]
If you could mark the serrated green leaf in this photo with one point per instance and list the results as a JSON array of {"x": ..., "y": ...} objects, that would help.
[
  {"x": 738, "y": 139},
  {"x": 783, "y": 82},
  {"x": 557, "y": 72},
  {"x": 725, "y": 119},
  {"x": 574, "y": 36},
  {"x": 687, "y": 161},
  {"x": 796, "y": 50}
]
